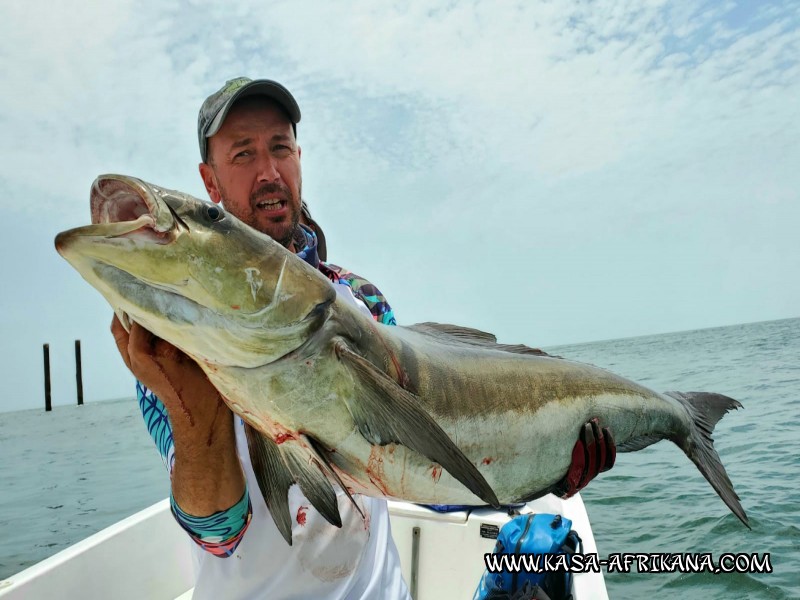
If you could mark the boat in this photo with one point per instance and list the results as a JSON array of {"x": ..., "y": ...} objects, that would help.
[{"x": 147, "y": 555}]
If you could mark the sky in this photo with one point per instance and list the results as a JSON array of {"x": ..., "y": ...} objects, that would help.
[{"x": 552, "y": 172}]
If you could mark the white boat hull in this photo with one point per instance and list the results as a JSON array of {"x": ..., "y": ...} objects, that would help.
[{"x": 149, "y": 556}]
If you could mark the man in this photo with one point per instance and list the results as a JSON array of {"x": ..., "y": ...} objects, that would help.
[{"x": 251, "y": 164}]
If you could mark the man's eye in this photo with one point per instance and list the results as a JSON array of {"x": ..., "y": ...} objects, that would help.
[{"x": 242, "y": 154}]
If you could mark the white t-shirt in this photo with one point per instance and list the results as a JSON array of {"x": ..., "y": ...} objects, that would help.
[{"x": 358, "y": 561}]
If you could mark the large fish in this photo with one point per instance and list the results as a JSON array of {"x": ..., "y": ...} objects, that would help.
[{"x": 429, "y": 413}]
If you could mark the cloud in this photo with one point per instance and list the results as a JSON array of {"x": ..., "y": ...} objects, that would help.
[{"x": 553, "y": 171}]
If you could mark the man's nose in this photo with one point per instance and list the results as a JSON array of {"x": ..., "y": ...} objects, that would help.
[{"x": 268, "y": 169}]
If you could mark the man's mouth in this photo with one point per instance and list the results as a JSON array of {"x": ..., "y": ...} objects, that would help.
[{"x": 271, "y": 204}]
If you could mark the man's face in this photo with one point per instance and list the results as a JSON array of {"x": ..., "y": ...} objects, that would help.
[{"x": 254, "y": 168}]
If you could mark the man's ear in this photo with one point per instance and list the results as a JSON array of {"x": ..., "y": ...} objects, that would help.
[{"x": 210, "y": 181}]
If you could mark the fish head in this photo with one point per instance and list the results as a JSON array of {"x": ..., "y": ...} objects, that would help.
[{"x": 195, "y": 275}]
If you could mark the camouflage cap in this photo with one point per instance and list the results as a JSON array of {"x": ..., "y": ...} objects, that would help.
[{"x": 215, "y": 108}]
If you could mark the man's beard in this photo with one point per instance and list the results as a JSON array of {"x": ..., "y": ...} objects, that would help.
[
  {"x": 260, "y": 194},
  {"x": 286, "y": 194}
]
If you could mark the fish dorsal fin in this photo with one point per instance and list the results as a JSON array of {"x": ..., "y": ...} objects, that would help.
[
  {"x": 467, "y": 335},
  {"x": 386, "y": 413},
  {"x": 472, "y": 337}
]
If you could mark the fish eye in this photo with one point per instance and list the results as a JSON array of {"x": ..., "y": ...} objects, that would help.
[{"x": 214, "y": 213}]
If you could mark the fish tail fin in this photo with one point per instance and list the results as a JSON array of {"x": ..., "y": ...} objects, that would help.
[{"x": 706, "y": 409}]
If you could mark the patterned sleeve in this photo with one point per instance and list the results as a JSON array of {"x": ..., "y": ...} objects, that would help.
[
  {"x": 219, "y": 533},
  {"x": 368, "y": 293},
  {"x": 158, "y": 425}
]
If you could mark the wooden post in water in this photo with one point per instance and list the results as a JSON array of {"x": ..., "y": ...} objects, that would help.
[
  {"x": 78, "y": 376},
  {"x": 47, "y": 403}
]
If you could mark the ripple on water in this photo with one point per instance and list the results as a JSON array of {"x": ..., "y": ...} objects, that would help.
[{"x": 722, "y": 586}]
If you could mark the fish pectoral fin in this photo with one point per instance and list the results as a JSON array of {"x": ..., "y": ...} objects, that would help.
[
  {"x": 327, "y": 467},
  {"x": 387, "y": 414},
  {"x": 456, "y": 334},
  {"x": 309, "y": 474},
  {"x": 274, "y": 478}
]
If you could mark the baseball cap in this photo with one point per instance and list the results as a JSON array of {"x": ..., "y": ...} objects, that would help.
[{"x": 216, "y": 106}]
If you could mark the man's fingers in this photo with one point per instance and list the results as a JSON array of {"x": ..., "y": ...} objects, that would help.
[
  {"x": 142, "y": 342},
  {"x": 588, "y": 436},
  {"x": 594, "y": 452},
  {"x": 169, "y": 351},
  {"x": 145, "y": 345},
  {"x": 611, "y": 450},
  {"x": 576, "y": 471},
  {"x": 601, "y": 446}
]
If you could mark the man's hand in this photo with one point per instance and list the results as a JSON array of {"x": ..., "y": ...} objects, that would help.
[
  {"x": 169, "y": 373},
  {"x": 206, "y": 475},
  {"x": 593, "y": 453}
]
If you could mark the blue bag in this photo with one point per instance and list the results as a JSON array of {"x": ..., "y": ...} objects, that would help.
[{"x": 531, "y": 534}]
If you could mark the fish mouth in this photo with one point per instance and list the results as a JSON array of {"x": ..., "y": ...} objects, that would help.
[
  {"x": 134, "y": 209},
  {"x": 123, "y": 208}
]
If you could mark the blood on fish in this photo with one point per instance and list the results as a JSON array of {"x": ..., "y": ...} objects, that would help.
[
  {"x": 301, "y": 515},
  {"x": 283, "y": 437},
  {"x": 375, "y": 470},
  {"x": 235, "y": 306},
  {"x": 487, "y": 461},
  {"x": 436, "y": 473},
  {"x": 378, "y": 484}
]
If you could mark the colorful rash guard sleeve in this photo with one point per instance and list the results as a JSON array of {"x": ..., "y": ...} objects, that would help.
[
  {"x": 221, "y": 532},
  {"x": 363, "y": 290}
]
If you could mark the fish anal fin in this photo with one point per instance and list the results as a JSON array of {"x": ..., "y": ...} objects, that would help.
[
  {"x": 386, "y": 413},
  {"x": 322, "y": 455},
  {"x": 637, "y": 443},
  {"x": 274, "y": 478},
  {"x": 309, "y": 474}
]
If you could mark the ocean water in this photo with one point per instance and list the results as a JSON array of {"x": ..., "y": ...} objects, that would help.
[{"x": 67, "y": 474}]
